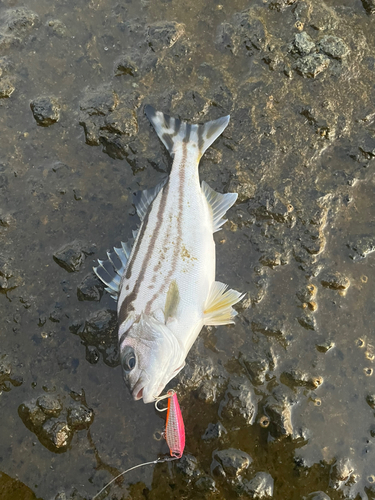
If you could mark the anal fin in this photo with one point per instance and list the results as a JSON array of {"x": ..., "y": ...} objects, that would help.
[{"x": 218, "y": 308}]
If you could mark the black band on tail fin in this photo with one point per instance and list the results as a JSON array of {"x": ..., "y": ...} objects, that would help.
[{"x": 173, "y": 132}]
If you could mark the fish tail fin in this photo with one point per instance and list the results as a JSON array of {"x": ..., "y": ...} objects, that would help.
[{"x": 174, "y": 132}]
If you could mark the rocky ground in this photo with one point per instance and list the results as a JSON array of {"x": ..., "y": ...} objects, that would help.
[{"x": 280, "y": 405}]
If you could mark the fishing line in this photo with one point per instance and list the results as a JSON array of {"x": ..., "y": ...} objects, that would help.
[
  {"x": 174, "y": 434},
  {"x": 158, "y": 461}
]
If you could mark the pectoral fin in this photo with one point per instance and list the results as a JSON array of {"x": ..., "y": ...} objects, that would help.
[
  {"x": 218, "y": 308},
  {"x": 172, "y": 301}
]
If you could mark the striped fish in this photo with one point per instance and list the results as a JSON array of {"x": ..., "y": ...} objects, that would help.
[{"x": 165, "y": 282}]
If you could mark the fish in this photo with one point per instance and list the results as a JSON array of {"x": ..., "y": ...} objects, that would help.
[{"x": 164, "y": 280}]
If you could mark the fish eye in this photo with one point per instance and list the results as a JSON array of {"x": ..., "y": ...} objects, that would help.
[{"x": 128, "y": 359}]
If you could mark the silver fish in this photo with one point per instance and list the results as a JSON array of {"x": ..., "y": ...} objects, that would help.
[{"x": 165, "y": 283}]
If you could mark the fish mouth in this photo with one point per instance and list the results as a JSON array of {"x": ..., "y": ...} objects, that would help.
[
  {"x": 138, "y": 395},
  {"x": 137, "y": 392},
  {"x": 143, "y": 390}
]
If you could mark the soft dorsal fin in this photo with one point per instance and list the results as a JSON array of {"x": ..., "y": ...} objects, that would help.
[
  {"x": 174, "y": 132},
  {"x": 110, "y": 271},
  {"x": 218, "y": 307},
  {"x": 143, "y": 199},
  {"x": 219, "y": 204}
]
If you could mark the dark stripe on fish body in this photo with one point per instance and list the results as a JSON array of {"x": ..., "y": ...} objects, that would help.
[
  {"x": 177, "y": 245},
  {"x": 179, "y": 220},
  {"x": 124, "y": 334},
  {"x": 156, "y": 269},
  {"x": 126, "y": 306}
]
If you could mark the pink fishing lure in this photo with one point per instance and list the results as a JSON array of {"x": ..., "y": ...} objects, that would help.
[{"x": 174, "y": 428}]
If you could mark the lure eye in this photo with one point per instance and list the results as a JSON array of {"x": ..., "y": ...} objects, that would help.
[{"x": 128, "y": 359}]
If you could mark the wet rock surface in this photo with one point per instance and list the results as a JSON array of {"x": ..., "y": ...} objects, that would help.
[
  {"x": 334, "y": 47},
  {"x": 6, "y": 87},
  {"x": 230, "y": 462},
  {"x": 310, "y": 66},
  {"x": 335, "y": 281},
  {"x": 214, "y": 431},
  {"x": 317, "y": 495},
  {"x": 52, "y": 423},
  {"x": 125, "y": 66},
  {"x": 90, "y": 288},
  {"x": 6, "y": 274},
  {"x": 239, "y": 405},
  {"x": 302, "y": 44},
  {"x": 72, "y": 256},
  {"x": 369, "y": 5},
  {"x": 297, "y": 79},
  {"x": 361, "y": 247},
  {"x": 261, "y": 486},
  {"x": 46, "y": 110},
  {"x": 188, "y": 467},
  {"x": 279, "y": 411},
  {"x": 99, "y": 336},
  {"x": 16, "y": 25},
  {"x": 8, "y": 374},
  {"x": 162, "y": 35},
  {"x": 341, "y": 471},
  {"x": 110, "y": 119}
]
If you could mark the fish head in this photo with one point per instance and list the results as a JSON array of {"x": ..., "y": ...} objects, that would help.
[{"x": 150, "y": 357}]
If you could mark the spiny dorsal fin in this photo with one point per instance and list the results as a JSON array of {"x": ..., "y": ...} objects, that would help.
[
  {"x": 143, "y": 199},
  {"x": 110, "y": 271},
  {"x": 218, "y": 308},
  {"x": 219, "y": 204},
  {"x": 173, "y": 132},
  {"x": 172, "y": 301}
]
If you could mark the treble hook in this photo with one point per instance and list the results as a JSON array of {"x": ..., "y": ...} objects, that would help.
[{"x": 166, "y": 396}]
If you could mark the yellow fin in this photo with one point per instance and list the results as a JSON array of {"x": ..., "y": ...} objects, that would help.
[
  {"x": 172, "y": 301},
  {"x": 218, "y": 308}
]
